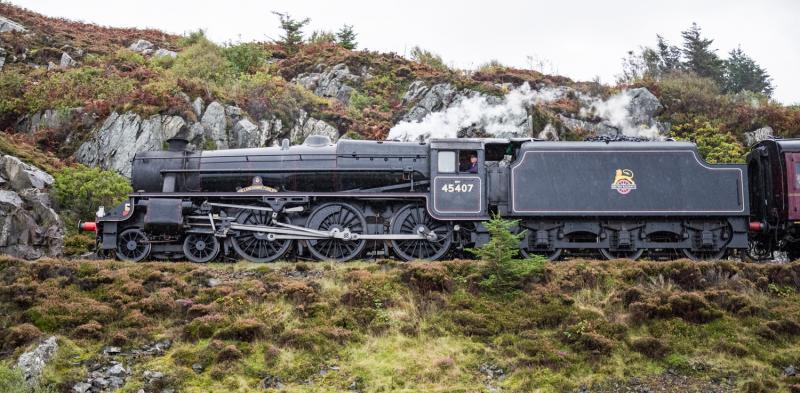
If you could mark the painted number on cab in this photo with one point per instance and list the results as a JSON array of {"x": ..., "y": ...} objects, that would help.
[{"x": 457, "y": 187}]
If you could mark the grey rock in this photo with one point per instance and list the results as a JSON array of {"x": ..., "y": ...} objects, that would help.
[
  {"x": 152, "y": 376},
  {"x": 197, "y": 368},
  {"x": 161, "y": 52},
  {"x": 215, "y": 123},
  {"x": 22, "y": 176},
  {"x": 425, "y": 100},
  {"x": 32, "y": 363},
  {"x": 758, "y": 135},
  {"x": 247, "y": 134},
  {"x": 644, "y": 107},
  {"x": 332, "y": 82},
  {"x": 66, "y": 61},
  {"x": 116, "y": 370},
  {"x": 141, "y": 46},
  {"x": 7, "y": 25},
  {"x": 110, "y": 351},
  {"x": 270, "y": 382},
  {"x": 9, "y": 200},
  {"x": 81, "y": 387},
  {"x": 307, "y": 126},
  {"x": 120, "y": 137},
  {"x": 2, "y": 60},
  {"x": 198, "y": 105},
  {"x": 51, "y": 119},
  {"x": 790, "y": 371}
]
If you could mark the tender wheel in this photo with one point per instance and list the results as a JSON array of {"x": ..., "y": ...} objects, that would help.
[
  {"x": 133, "y": 245},
  {"x": 200, "y": 247},
  {"x": 340, "y": 217},
  {"x": 258, "y": 247},
  {"x": 704, "y": 255},
  {"x": 620, "y": 254},
  {"x": 415, "y": 220}
]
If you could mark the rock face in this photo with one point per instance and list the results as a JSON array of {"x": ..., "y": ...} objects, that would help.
[
  {"x": 331, "y": 83},
  {"x": 115, "y": 142},
  {"x": 755, "y": 136},
  {"x": 426, "y": 100},
  {"x": 29, "y": 227},
  {"x": 32, "y": 363},
  {"x": 122, "y": 136},
  {"x": 7, "y": 25}
]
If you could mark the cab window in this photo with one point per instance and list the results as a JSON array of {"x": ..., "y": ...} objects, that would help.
[
  {"x": 447, "y": 162},
  {"x": 468, "y": 161}
]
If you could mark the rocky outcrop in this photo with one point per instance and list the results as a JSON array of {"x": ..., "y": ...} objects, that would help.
[
  {"x": 7, "y": 25},
  {"x": 161, "y": 52},
  {"x": 147, "y": 48},
  {"x": 54, "y": 120},
  {"x": 29, "y": 227},
  {"x": 755, "y": 136},
  {"x": 32, "y": 363},
  {"x": 334, "y": 82},
  {"x": 121, "y": 136},
  {"x": 115, "y": 142},
  {"x": 424, "y": 100},
  {"x": 306, "y": 126}
]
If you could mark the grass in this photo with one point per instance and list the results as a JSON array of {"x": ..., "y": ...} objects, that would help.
[{"x": 387, "y": 326}]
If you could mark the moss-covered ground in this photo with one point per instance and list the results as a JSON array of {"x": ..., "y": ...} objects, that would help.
[{"x": 387, "y": 326}]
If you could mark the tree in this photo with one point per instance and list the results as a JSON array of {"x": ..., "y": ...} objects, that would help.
[
  {"x": 503, "y": 273},
  {"x": 700, "y": 58},
  {"x": 292, "y": 28},
  {"x": 669, "y": 56},
  {"x": 743, "y": 73},
  {"x": 346, "y": 37}
]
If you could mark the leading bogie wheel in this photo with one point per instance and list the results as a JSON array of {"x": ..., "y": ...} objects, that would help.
[
  {"x": 339, "y": 218},
  {"x": 133, "y": 245},
  {"x": 259, "y": 247},
  {"x": 200, "y": 247},
  {"x": 414, "y": 220}
]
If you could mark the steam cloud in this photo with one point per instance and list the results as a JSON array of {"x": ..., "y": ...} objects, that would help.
[{"x": 506, "y": 116}]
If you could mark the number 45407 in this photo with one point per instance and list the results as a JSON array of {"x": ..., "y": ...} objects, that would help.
[{"x": 457, "y": 187}]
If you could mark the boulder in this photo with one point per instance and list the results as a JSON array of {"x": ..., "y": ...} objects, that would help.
[
  {"x": 53, "y": 120},
  {"x": 22, "y": 176},
  {"x": 7, "y": 25},
  {"x": 755, "y": 136},
  {"x": 29, "y": 227},
  {"x": 121, "y": 136},
  {"x": 309, "y": 126},
  {"x": 246, "y": 134},
  {"x": 426, "y": 101},
  {"x": 197, "y": 106},
  {"x": 161, "y": 52},
  {"x": 32, "y": 363},
  {"x": 643, "y": 107},
  {"x": 66, "y": 60},
  {"x": 141, "y": 46},
  {"x": 2, "y": 58},
  {"x": 215, "y": 123},
  {"x": 332, "y": 82}
]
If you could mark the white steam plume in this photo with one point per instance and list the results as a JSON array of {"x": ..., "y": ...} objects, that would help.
[
  {"x": 496, "y": 117},
  {"x": 507, "y": 115}
]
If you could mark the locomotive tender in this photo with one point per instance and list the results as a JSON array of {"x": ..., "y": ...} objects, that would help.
[{"x": 340, "y": 201}]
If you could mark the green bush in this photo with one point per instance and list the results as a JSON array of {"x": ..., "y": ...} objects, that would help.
[
  {"x": 203, "y": 60},
  {"x": 247, "y": 57},
  {"x": 79, "y": 191},
  {"x": 77, "y": 86},
  {"x": 428, "y": 58},
  {"x": 714, "y": 145},
  {"x": 503, "y": 273},
  {"x": 78, "y": 244}
]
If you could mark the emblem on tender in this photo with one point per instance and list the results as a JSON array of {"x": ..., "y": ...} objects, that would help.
[{"x": 623, "y": 181}]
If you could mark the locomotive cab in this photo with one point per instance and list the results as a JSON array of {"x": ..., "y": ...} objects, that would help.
[{"x": 774, "y": 172}]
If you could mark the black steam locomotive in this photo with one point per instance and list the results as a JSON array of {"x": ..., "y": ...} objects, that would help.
[{"x": 426, "y": 200}]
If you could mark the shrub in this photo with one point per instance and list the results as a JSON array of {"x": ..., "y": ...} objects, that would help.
[
  {"x": 246, "y": 57},
  {"x": 502, "y": 271},
  {"x": 714, "y": 146},
  {"x": 77, "y": 86},
  {"x": 78, "y": 244},
  {"x": 12, "y": 380},
  {"x": 229, "y": 353},
  {"x": 203, "y": 60},
  {"x": 80, "y": 190},
  {"x": 20, "y": 335},
  {"x": 12, "y": 85},
  {"x": 650, "y": 346},
  {"x": 242, "y": 330},
  {"x": 428, "y": 58}
]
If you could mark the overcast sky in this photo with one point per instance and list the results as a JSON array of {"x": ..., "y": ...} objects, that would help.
[{"x": 578, "y": 39}]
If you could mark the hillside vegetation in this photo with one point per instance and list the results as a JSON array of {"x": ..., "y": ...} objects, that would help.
[{"x": 381, "y": 326}]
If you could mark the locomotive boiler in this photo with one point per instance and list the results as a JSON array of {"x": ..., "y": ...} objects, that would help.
[{"x": 354, "y": 198}]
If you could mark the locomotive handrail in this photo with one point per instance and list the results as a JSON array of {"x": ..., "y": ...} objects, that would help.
[{"x": 249, "y": 170}]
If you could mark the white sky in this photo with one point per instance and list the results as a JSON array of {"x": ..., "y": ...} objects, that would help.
[{"x": 578, "y": 39}]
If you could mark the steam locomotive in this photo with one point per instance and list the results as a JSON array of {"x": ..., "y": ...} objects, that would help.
[{"x": 357, "y": 198}]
